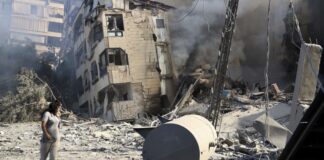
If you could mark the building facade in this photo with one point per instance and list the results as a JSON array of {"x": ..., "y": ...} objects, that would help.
[
  {"x": 35, "y": 21},
  {"x": 71, "y": 9},
  {"x": 122, "y": 58},
  {"x": 5, "y": 12}
]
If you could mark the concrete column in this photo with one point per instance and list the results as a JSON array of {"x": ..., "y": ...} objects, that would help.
[{"x": 306, "y": 81}]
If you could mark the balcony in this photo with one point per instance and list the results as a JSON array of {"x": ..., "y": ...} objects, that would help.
[
  {"x": 119, "y": 74},
  {"x": 125, "y": 110}
]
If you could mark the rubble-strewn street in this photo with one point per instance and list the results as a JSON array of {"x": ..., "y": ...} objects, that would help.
[
  {"x": 91, "y": 140},
  {"x": 96, "y": 139}
]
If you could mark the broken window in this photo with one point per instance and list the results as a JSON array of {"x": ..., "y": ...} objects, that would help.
[
  {"x": 84, "y": 108},
  {"x": 160, "y": 23},
  {"x": 94, "y": 72},
  {"x": 103, "y": 63},
  {"x": 86, "y": 80},
  {"x": 96, "y": 34},
  {"x": 117, "y": 56},
  {"x": 115, "y": 25},
  {"x": 33, "y": 9},
  {"x": 55, "y": 27},
  {"x": 80, "y": 54},
  {"x": 79, "y": 85},
  {"x": 132, "y": 6},
  {"x": 120, "y": 92}
]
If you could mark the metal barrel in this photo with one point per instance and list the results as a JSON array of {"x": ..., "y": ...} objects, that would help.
[{"x": 190, "y": 137}]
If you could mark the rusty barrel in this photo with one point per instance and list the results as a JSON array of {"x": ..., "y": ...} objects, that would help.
[{"x": 190, "y": 137}]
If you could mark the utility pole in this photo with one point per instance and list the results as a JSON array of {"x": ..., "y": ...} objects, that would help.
[{"x": 222, "y": 61}]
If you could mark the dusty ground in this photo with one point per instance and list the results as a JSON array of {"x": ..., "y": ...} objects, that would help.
[
  {"x": 89, "y": 141},
  {"x": 97, "y": 140}
]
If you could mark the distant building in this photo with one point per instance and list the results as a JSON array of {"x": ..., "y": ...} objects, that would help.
[
  {"x": 35, "y": 21},
  {"x": 5, "y": 12},
  {"x": 71, "y": 9},
  {"x": 122, "y": 58}
]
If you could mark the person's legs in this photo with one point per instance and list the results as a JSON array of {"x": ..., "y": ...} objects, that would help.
[
  {"x": 53, "y": 152},
  {"x": 44, "y": 150}
]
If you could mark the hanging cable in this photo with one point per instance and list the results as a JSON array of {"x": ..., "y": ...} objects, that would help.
[
  {"x": 266, "y": 77},
  {"x": 188, "y": 13}
]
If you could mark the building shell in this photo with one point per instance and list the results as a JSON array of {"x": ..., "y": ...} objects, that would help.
[{"x": 122, "y": 58}]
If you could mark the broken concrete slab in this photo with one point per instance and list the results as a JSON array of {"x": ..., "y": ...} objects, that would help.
[
  {"x": 272, "y": 130},
  {"x": 194, "y": 108},
  {"x": 275, "y": 89}
]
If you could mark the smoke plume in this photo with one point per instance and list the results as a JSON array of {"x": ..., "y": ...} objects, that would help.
[{"x": 196, "y": 37}]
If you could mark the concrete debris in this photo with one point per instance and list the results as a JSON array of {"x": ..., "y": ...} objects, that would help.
[
  {"x": 94, "y": 139},
  {"x": 245, "y": 139},
  {"x": 272, "y": 130},
  {"x": 275, "y": 89},
  {"x": 245, "y": 100},
  {"x": 4, "y": 125}
]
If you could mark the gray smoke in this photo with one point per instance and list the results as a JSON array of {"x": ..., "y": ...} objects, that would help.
[{"x": 195, "y": 39}]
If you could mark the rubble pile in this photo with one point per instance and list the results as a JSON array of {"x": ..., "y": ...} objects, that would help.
[
  {"x": 244, "y": 145},
  {"x": 114, "y": 139},
  {"x": 195, "y": 91},
  {"x": 240, "y": 136}
]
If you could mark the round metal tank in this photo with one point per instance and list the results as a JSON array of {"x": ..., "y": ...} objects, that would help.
[{"x": 190, "y": 137}]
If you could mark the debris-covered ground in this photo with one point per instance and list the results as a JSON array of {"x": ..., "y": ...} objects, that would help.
[
  {"x": 96, "y": 139},
  {"x": 239, "y": 139},
  {"x": 91, "y": 140}
]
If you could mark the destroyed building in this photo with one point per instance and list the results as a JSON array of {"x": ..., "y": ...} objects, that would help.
[
  {"x": 122, "y": 58},
  {"x": 33, "y": 21}
]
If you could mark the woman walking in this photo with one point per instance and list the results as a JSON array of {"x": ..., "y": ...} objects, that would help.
[{"x": 50, "y": 126}]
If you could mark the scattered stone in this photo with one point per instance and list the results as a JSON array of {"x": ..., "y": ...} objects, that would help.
[
  {"x": 227, "y": 142},
  {"x": 4, "y": 125},
  {"x": 245, "y": 139}
]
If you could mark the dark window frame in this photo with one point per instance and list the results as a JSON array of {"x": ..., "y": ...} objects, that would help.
[
  {"x": 80, "y": 86},
  {"x": 160, "y": 23},
  {"x": 94, "y": 72},
  {"x": 117, "y": 57},
  {"x": 115, "y": 25},
  {"x": 86, "y": 80},
  {"x": 103, "y": 63},
  {"x": 55, "y": 27}
]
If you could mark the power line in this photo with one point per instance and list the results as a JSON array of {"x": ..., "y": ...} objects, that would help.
[
  {"x": 188, "y": 13},
  {"x": 266, "y": 77}
]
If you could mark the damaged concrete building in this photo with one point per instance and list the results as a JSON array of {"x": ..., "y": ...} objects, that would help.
[
  {"x": 34, "y": 21},
  {"x": 122, "y": 58}
]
